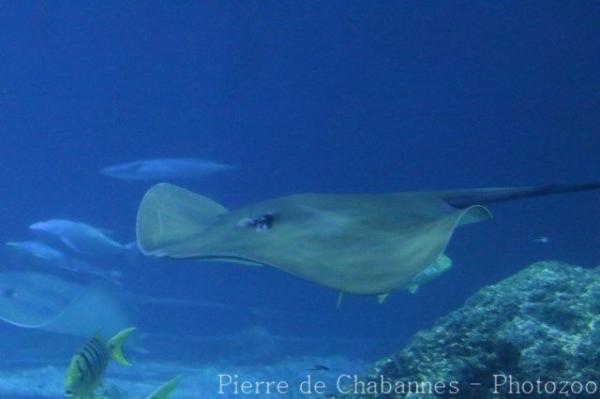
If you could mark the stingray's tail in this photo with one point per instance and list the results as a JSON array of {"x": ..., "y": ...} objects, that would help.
[
  {"x": 464, "y": 198},
  {"x": 169, "y": 214}
]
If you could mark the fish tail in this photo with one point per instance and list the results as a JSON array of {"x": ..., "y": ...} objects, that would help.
[
  {"x": 464, "y": 198},
  {"x": 165, "y": 390},
  {"x": 115, "y": 345}
]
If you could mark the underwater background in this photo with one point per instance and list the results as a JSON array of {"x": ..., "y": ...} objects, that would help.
[{"x": 359, "y": 97}]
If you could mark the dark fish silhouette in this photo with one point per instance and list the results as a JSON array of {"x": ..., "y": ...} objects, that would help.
[{"x": 318, "y": 367}]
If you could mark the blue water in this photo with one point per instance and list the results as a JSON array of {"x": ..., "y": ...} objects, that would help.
[{"x": 302, "y": 97}]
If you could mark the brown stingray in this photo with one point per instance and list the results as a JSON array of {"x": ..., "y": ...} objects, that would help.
[{"x": 361, "y": 244}]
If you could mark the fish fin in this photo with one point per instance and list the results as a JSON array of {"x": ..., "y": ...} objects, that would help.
[
  {"x": 443, "y": 262},
  {"x": 164, "y": 391},
  {"x": 115, "y": 345},
  {"x": 382, "y": 297},
  {"x": 106, "y": 232},
  {"x": 169, "y": 214},
  {"x": 115, "y": 277},
  {"x": 244, "y": 262},
  {"x": 115, "y": 274},
  {"x": 69, "y": 243},
  {"x": 413, "y": 288},
  {"x": 131, "y": 246},
  {"x": 340, "y": 299}
]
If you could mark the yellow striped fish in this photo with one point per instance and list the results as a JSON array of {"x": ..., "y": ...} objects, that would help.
[{"x": 86, "y": 369}]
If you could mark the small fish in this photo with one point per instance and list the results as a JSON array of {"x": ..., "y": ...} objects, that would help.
[
  {"x": 318, "y": 367},
  {"x": 541, "y": 240},
  {"x": 81, "y": 238},
  {"x": 86, "y": 369},
  {"x": 36, "y": 250},
  {"x": 36, "y": 253},
  {"x": 161, "y": 169}
]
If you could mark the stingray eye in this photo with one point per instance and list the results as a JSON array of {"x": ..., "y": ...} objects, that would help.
[{"x": 259, "y": 223}]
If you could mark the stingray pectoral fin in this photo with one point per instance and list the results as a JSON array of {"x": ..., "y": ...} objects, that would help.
[
  {"x": 474, "y": 214},
  {"x": 426, "y": 246},
  {"x": 437, "y": 238},
  {"x": 169, "y": 215}
]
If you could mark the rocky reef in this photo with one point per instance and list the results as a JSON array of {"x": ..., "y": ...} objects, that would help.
[{"x": 535, "y": 334}]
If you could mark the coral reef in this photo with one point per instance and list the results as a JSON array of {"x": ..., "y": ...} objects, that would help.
[{"x": 536, "y": 333}]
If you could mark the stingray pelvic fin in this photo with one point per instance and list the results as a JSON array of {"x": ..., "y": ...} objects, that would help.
[
  {"x": 340, "y": 299},
  {"x": 382, "y": 297}
]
